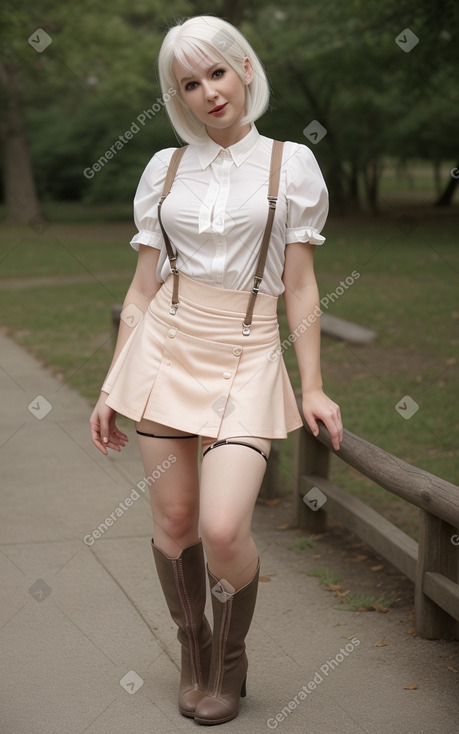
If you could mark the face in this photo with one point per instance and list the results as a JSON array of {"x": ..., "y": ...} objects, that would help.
[{"x": 216, "y": 94}]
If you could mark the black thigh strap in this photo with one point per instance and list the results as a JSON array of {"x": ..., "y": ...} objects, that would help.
[
  {"x": 225, "y": 442},
  {"x": 153, "y": 435}
]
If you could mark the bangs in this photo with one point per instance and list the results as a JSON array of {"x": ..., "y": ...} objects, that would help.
[{"x": 191, "y": 54}]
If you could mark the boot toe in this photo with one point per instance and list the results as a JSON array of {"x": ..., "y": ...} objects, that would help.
[
  {"x": 188, "y": 700},
  {"x": 212, "y": 710}
]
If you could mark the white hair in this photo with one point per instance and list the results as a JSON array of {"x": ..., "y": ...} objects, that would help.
[{"x": 206, "y": 37}]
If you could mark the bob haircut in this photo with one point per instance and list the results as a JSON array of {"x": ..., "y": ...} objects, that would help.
[{"x": 207, "y": 38}]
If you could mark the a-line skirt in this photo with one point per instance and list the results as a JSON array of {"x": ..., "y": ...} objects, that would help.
[{"x": 196, "y": 372}]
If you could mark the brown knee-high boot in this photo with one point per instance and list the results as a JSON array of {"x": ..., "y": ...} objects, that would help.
[
  {"x": 183, "y": 581},
  {"x": 228, "y": 671}
]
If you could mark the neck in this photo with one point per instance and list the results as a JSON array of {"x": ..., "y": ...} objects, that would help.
[{"x": 230, "y": 136}]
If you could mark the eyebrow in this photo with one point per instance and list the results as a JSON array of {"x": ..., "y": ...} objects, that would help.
[{"x": 187, "y": 78}]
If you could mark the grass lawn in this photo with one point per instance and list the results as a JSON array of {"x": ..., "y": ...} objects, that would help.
[{"x": 58, "y": 286}]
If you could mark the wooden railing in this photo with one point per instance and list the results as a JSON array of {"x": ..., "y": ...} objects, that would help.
[{"x": 432, "y": 564}]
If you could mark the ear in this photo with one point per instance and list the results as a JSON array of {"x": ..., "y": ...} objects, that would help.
[{"x": 248, "y": 70}]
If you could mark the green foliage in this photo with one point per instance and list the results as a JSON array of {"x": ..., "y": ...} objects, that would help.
[
  {"x": 335, "y": 61},
  {"x": 304, "y": 543},
  {"x": 326, "y": 576}
]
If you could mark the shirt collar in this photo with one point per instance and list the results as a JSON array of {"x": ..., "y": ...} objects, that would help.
[{"x": 240, "y": 151}]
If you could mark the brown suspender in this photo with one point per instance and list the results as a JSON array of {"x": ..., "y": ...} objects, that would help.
[
  {"x": 171, "y": 171},
  {"x": 273, "y": 188}
]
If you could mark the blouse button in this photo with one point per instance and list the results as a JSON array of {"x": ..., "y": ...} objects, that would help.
[
  {"x": 227, "y": 375},
  {"x": 172, "y": 332},
  {"x": 237, "y": 351}
]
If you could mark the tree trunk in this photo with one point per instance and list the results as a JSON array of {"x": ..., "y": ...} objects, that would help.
[
  {"x": 437, "y": 176},
  {"x": 446, "y": 197},
  {"x": 354, "y": 193},
  {"x": 21, "y": 199},
  {"x": 372, "y": 173}
]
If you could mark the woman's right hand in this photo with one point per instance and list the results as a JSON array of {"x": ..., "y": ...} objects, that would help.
[{"x": 104, "y": 432}]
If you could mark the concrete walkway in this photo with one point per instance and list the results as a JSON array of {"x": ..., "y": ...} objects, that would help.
[{"x": 86, "y": 641}]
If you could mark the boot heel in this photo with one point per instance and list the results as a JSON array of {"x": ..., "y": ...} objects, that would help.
[{"x": 244, "y": 688}]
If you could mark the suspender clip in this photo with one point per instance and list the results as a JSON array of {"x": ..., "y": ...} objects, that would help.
[{"x": 256, "y": 285}]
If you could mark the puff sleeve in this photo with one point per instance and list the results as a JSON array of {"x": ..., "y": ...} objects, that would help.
[
  {"x": 307, "y": 198},
  {"x": 146, "y": 200}
]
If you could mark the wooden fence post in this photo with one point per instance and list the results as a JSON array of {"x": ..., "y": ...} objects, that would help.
[
  {"x": 270, "y": 484},
  {"x": 311, "y": 457},
  {"x": 438, "y": 555}
]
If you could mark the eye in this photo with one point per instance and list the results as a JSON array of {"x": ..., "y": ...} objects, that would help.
[
  {"x": 219, "y": 73},
  {"x": 189, "y": 86}
]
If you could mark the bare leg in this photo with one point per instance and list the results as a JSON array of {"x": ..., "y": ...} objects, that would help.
[
  {"x": 231, "y": 476},
  {"x": 174, "y": 494}
]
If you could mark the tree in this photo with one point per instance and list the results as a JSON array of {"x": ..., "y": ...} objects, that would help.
[{"x": 19, "y": 184}]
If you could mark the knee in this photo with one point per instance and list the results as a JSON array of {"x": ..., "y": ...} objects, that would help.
[
  {"x": 221, "y": 540},
  {"x": 176, "y": 521}
]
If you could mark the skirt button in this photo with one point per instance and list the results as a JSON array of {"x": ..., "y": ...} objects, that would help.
[
  {"x": 172, "y": 332},
  {"x": 237, "y": 351},
  {"x": 227, "y": 375}
]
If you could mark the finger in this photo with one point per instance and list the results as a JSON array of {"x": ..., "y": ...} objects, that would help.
[
  {"x": 313, "y": 425},
  {"x": 333, "y": 431},
  {"x": 95, "y": 438},
  {"x": 104, "y": 431}
]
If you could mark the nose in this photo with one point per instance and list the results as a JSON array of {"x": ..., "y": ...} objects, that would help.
[{"x": 209, "y": 91}]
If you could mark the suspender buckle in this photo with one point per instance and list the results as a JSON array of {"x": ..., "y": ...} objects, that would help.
[
  {"x": 256, "y": 284},
  {"x": 245, "y": 329},
  {"x": 173, "y": 308},
  {"x": 272, "y": 201}
]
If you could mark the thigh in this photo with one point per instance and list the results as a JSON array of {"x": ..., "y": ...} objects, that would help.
[
  {"x": 170, "y": 460},
  {"x": 231, "y": 477}
]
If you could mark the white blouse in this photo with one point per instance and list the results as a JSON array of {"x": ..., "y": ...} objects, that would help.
[{"x": 216, "y": 212}]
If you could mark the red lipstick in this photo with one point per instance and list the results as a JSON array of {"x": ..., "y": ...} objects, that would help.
[{"x": 217, "y": 109}]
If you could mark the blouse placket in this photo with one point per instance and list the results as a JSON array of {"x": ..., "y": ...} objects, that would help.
[{"x": 212, "y": 214}]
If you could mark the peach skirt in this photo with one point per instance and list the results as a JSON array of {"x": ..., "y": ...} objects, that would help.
[{"x": 196, "y": 372}]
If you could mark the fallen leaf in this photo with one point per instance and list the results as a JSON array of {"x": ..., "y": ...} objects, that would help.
[
  {"x": 264, "y": 578},
  {"x": 377, "y": 568},
  {"x": 410, "y": 616},
  {"x": 341, "y": 594},
  {"x": 453, "y": 670},
  {"x": 283, "y": 527},
  {"x": 412, "y": 631},
  {"x": 382, "y": 642},
  {"x": 380, "y": 608},
  {"x": 358, "y": 559},
  {"x": 270, "y": 502},
  {"x": 316, "y": 558},
  {"x": 334, "y": 587},
  {"x": 411, "y": 687}
]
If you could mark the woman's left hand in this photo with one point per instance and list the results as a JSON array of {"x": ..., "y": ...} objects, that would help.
[{"x": 318, "y": 406}]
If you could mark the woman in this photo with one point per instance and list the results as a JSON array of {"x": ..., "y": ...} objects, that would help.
[{"x": 200, "y": 362}]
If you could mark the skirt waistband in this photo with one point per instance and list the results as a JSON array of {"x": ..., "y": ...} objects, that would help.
[{"x": 221, "y": 299}]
